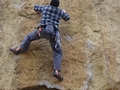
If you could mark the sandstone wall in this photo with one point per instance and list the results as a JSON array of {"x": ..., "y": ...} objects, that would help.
[{"x": 90, "y": 43}]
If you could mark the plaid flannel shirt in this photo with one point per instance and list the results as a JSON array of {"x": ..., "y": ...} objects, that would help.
[{"x": 51, "y": 14}]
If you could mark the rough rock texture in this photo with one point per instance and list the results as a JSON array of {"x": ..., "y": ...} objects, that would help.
[{"x": 90, "y": 43}]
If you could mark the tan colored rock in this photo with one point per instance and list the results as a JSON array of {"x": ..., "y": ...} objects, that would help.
[{"x": 90, "y": 43}]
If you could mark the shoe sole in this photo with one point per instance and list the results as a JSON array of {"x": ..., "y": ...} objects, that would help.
[{"x": 58, "y": 77}]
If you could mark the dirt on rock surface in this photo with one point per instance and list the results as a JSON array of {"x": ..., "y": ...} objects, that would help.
[{"x": 90, "y": 44}]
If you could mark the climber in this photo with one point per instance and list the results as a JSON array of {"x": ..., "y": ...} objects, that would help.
[{"x": 47, "y": 28}]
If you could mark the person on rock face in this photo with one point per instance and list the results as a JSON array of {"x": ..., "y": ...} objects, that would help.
[{"x": 48, "y": 28}]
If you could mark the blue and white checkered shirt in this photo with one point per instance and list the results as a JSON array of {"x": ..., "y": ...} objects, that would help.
[{"x": 51, "y": 14}]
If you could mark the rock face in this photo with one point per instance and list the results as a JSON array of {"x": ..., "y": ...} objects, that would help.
[{"x": 90, "y": 43}]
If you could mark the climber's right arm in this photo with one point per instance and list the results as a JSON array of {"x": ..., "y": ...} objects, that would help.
[{"x": 38, "y": 8}]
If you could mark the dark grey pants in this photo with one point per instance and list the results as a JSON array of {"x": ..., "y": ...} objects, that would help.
[{"x": 34, "y": 36}]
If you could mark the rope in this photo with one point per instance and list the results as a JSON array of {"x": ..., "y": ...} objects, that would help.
[{"x": 105, "y": 54}]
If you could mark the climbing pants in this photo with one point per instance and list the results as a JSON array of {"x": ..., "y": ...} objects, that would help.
[{"x": 35, "y": 36}]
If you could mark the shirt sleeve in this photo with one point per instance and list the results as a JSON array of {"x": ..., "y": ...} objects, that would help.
[
  {"x": 38, "y": 8},
  {"x": 65, "y": 16}
]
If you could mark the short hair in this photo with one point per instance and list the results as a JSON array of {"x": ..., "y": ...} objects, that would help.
[{"x": 55, "y": 3}]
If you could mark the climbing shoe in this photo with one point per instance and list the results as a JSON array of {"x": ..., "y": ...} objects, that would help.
[
  {"x": 15, "y": 51},
  {"x": 58, "y": 76}
]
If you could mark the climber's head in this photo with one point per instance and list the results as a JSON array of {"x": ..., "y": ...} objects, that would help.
[{"x": 54, "y": 3}]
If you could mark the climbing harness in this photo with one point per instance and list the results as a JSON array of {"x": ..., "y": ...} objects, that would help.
[{"x": 105, "y": 54}]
